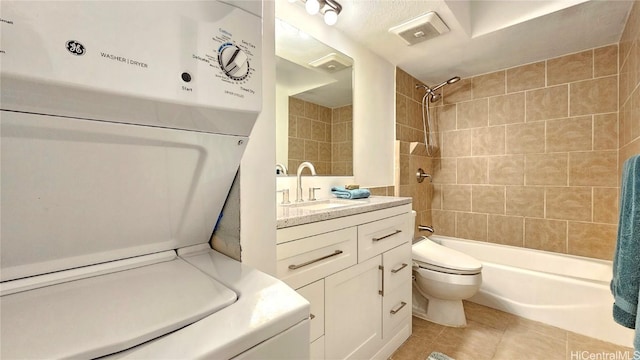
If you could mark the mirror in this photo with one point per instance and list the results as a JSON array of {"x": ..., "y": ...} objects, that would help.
[{"x": 314, "y": 111}]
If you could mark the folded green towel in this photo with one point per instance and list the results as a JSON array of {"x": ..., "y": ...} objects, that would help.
[
  {"x": 343, "y": 193},
  {"x": 625, "y": 284}
]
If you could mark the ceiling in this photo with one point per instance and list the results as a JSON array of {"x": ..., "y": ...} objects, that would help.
[{"x": 484, "y": 35}]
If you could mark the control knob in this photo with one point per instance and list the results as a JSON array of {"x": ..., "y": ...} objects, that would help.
[{"x": 233, "y": 61}]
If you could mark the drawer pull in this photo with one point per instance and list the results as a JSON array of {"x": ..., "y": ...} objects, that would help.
[
  {"x": 386, "y": 236},
  {"x": 311, "y": 316},
  {"x": 293, "y": 267},
  {"x": 400, "y": 268},
  {"x": 402, "y": 304}
]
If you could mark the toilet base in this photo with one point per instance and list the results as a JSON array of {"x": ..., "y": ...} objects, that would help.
[
  {"x": 443, "y": 312},
  {"x": 446, "y": 312}
]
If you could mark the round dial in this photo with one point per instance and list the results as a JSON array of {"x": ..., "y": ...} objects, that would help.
[{"x": 233, "y": 61}]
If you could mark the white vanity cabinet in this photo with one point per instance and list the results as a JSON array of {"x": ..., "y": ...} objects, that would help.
[
  {"x": 314, "y": 293},
  {"x": 355, "y": 271}
]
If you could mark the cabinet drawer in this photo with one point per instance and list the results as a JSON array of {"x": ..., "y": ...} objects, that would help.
[
  {"x": 376, "y": 237},
  {"x": 314, "y": 293},
  {"x": 397, "y": 266},
  {"x": 306, "y": 260},
  {"x": 396, "y": 307}
]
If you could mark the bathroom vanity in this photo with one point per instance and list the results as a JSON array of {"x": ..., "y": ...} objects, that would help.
[{"x": 351, "y": 259}]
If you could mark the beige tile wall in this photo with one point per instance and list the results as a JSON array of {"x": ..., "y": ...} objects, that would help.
[
  {"x": 629, "y": 54},
  {"x": 535, "y": 155},
  {"x": 410, "y": 150},
  {"x": 382, "y": 191},
  {"x": 321, "y": 135},
  {"x": 529, "y": 155}
]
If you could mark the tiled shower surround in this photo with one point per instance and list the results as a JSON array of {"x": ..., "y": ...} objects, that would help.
[
  {"x": 629, "y": 55},
  {"x": 321, "y": 135},
  {"x": 528, "y": 155}
]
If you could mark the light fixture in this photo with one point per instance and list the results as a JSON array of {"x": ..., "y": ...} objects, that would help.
[
  {"x": 329, "y": 9},
  {"x": 330, "y": 17},
  {"x": 312, "y": 6}
]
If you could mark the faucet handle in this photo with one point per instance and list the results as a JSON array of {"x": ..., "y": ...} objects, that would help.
[
  {"x": 285, "y": 196},
  {"x": 420, "y": 175},
  {"x": 312, "y": 193}
]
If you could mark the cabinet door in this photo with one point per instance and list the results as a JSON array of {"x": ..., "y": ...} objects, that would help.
[{"x": 353, "y": 325}]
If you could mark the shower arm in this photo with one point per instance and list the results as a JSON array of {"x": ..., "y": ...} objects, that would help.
[{"x": 431, "y": 96}]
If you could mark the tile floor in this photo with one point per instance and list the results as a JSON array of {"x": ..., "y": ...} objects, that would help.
[{"x": 495, "y": 335}]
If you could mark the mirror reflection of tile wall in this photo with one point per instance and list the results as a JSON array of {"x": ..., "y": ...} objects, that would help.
[{"x": 322, "y": 136}]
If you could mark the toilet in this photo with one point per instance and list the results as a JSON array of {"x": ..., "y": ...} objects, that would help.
[{"x": 442, "y": 278}]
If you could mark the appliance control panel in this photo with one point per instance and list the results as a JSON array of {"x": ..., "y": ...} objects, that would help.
[{"x": 203, "y": 53}]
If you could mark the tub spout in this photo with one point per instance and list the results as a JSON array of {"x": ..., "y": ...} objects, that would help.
[{"x": 426, "y": 228}]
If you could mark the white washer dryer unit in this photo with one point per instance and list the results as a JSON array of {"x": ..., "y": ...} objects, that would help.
[{"x": 122, "y": 127}]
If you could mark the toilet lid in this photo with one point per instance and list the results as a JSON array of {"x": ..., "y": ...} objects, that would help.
[{"x": 430, "y": 253}]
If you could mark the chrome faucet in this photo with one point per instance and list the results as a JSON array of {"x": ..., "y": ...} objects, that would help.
[
  {"x": 281, "y": 168},
  {"x": 305, "y": 164}
]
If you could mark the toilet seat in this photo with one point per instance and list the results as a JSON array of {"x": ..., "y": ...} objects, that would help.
[
  {"x": 431, "y": 256},
  {"x": 445, "y": 270}
]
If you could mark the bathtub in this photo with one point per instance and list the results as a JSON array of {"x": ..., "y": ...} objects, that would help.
[{"x": 569, "y": 292}]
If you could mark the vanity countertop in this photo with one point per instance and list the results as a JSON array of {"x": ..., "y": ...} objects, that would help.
[{"x": 291, "y": 215}]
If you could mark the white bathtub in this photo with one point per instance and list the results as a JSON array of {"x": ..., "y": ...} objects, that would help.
[{"x": 570, "y": 292}]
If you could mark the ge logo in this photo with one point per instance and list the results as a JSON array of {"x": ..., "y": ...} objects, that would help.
[{"x": 75, "y": 47}]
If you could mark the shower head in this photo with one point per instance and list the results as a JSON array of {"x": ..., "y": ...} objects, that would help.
[
  {"x": 450, "y": 81},
  {"x": 433, "y": 96},
  {"x": 453, "y": 80}
]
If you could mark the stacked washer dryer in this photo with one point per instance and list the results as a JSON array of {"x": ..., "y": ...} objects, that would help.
[{"x": 122, "y": 128}]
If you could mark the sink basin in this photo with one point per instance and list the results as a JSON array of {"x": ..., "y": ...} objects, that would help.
[{"x": 319, "y": 205}]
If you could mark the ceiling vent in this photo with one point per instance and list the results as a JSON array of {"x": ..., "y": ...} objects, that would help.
[
  {"x": 331, "y": 63},
  {"x": 422, "y": 28}
]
